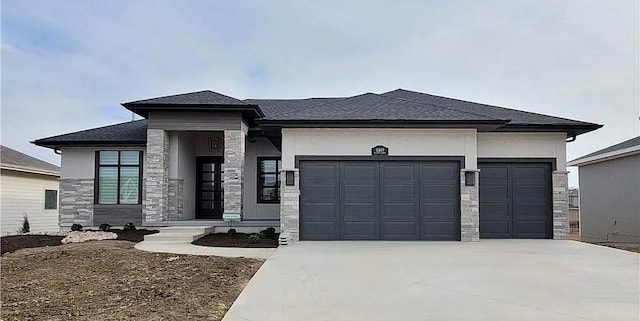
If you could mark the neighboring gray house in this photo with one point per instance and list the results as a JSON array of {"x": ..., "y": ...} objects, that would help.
[
  {"x": 400, "y": 165},
  {"x": 610, "y": 193}
]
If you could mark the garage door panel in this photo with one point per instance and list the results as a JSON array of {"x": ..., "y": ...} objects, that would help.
[
  {"x": 528, "y": 175},
  {"x": 529, "y": 193},
  {"x": 438, "y": 211},
  {"x": 399, "y": 231},
  {"x": 402, "y": 173},
  {"x": 439, "y": 173},
  {"x": 531, "y": 229},
  {"x": 321, "y": 194},
  {"x": 318, "y": 231},
  {"x": 494, "y": 174},
  {"x": 495, "y": 229},
  {"x": 399, "y": 192},
  {"x": 359, "y": 193},
  {"x": 439, "y": 231},
  {"x": 438, "y": 192},
  {"x": 359, "y": 212},
  {"x": 399, "y": 212},
  {"x": 360, "y": 231},
  {"x": 494, "y": 193},
  {"x": 495, "y": 210}
]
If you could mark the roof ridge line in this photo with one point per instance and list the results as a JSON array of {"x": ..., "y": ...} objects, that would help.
[
  {"x": 494, "y": 106},
  {"x": 447, "y": 108}
]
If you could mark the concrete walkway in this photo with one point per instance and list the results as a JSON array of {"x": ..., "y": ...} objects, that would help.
[
  {"x": 487, "y": 280},
  {"x": 178, "y": 240}
]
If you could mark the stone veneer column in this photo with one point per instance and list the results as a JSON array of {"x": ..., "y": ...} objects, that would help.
[
  {"x": 469, "y": 208},
  {"x": 560, "y": 181},
  {"x": 156, "y": 181},
  {"x": 76, "y": 202},
  {"x": 290, "y": 206},
  {"x": 234, "y": 148},
  {"x": 175, "y": 196}
]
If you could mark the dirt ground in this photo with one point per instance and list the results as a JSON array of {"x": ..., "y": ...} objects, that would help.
[
  {"x": 631, "y": 247},
  {"x": 235, "y": 240},
  {"x": 15, "y": 242},
  {"x": 110, "y": 280}
]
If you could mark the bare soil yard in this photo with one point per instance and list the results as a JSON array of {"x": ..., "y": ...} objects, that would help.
[
  {"x": 110, "y": 280},
  {"x": 631, "y": 247}
]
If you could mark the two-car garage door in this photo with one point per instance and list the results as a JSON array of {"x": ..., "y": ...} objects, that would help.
[{"x": 379, "y": 200}]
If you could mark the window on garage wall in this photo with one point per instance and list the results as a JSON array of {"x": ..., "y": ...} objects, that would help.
[
  {"x": 269, "y": 179},
  {"x": 50, "y": 199},
  {"x": 118, "y": 177}
]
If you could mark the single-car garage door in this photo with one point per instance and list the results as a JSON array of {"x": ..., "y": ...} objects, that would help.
[
  {"x": 379, "y": 200},
  {"x": 515, "y": 200}
]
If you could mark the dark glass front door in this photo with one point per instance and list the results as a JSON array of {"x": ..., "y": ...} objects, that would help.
[{"x": 210, "y": 187}]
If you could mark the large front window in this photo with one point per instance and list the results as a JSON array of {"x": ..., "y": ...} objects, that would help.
[
  {"x": 269, "y": 180},
  {"x": 118, "y": 176}
]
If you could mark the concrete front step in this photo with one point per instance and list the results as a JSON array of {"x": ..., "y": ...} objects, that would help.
[{"x": 179, "y": 234}]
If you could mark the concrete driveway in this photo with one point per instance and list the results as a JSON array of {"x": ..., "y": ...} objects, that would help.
[{"x": 488, "y": 280}]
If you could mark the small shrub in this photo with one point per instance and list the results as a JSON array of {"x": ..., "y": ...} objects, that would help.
[
  {"x": 129, "y": 227},
  {"x": 76, "y": 227},
  {"x": 105, "y": 227},
  {"x": 261, "y": 235},
  {"x": 270, "y": 232},
  {"x": 25, "y": 225},
  {"x": 254, "y": 238},
  {"x": 232, "y": 231}
]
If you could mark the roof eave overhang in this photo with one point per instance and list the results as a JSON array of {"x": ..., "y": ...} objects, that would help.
[
  {"x": 571, "y": 130},
  {"x": 31, "y": 170},
  {"x": 583, "y": 161},
  {"x": 250, "y": 111},
  {"x": 482, "y": 125},
  {"x": 97, "y": 143}
]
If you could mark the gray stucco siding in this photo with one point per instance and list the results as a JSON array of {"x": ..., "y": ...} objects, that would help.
[
  {"x": 195, "y": 121},
  {"x": 259, "y": 147},
  {"x": 609, "y": 200}
]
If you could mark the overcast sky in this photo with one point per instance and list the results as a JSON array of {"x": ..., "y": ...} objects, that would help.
[{"x": 67, "y": 65}]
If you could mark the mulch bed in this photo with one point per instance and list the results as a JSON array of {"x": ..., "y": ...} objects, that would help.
[
  {"x": 235, "y": 240},
  {"x": 15, "y": 242},
  {"x": 110, "y": 280}
]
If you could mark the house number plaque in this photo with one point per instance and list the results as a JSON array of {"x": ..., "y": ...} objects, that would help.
[{"x": 379, "y": 150}]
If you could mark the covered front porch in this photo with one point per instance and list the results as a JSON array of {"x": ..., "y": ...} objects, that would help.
[{"x": 215, "y": 178}]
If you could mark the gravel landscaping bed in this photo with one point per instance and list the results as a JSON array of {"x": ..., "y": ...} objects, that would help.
[
  {"x": 236, "y": 240},
  {"x": 15, "y": 242},
  {"x": 110, "y": 280}
]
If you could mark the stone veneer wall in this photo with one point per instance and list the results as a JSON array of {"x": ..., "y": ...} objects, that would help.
[
  {"x": 290, "y": 206},
  {"x": 76, "y": 202},
  {"x": 156, "y": 182},
  {"x": 470, "y": 208},
  {"x": 175, "y": 198},
  {"x": 560, "y": 185},
  {"x": 234, "y": 151}
]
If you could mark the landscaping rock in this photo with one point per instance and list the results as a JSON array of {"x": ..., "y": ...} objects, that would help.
[{"x": 79, "y": 237}]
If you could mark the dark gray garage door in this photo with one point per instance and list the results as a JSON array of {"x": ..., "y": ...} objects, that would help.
[
  {"x": 515, "y": 200},
  {"x": 377, "y": 200}
]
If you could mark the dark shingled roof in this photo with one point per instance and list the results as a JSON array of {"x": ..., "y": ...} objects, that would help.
[
  {"x": 624, "y": 145},
  {"x": 395, "y": 106},
  {"x": 133, "y": 132},
  {"x": 13, "y": 157},
  {"x": 516, "y": 116},
  {"x": 377, "y": 107},
  {"x": 274, "y": 107},
  {"x": 205, "y": 97}
]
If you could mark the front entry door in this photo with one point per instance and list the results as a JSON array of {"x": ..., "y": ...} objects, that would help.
[{"x": 210, "y": 187}]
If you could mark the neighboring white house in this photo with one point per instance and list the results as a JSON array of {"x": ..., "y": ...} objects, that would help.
[
  {"x": 28, "y": 187},
  {"x": 610, "y": 193},
  {"x": 400, "y": 165}
]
